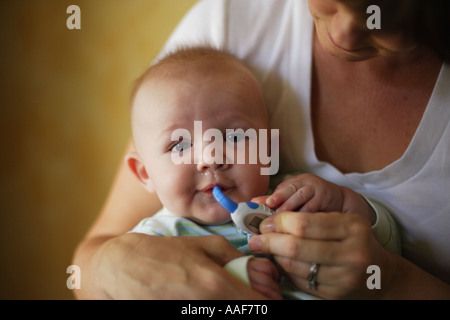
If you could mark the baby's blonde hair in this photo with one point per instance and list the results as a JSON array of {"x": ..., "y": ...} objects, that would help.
[{"x": 192, "y": 61}]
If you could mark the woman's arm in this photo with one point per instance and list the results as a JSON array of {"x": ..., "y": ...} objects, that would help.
[
  {"x": 411, "y": 282},
  {"x": 126, "y": 204}
]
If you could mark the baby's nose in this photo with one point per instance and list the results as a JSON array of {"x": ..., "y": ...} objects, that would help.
[{"x": 206, "y": 166}]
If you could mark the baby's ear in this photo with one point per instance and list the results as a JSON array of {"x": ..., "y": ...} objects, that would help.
[{"x": 137, "y": 166}]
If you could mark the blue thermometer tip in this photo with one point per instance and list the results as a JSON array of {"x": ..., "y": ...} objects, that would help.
[{"x": 223, "y": 200}]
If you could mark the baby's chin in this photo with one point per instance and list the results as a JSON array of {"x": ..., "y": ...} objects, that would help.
[
  {"x": 209, "y": 214},
  {"x": 211, "y": 219},
  {"x": 205, "y": 214}
]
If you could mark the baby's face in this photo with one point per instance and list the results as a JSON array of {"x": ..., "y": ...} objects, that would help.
[{"x": 221, "y": 103}]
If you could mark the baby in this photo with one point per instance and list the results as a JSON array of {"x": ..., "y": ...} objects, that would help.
[{"x": 213, "y": 88}]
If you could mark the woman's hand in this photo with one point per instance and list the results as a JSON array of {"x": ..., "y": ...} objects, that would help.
[
  {"x": 138, "y": 266},
  {"x": 342, "y": 244}
]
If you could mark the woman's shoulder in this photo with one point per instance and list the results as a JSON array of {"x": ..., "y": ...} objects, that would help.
[{"x": 232, "y": 24}]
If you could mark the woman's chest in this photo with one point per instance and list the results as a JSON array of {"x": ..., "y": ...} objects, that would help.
[
  {"x": 363, "y": 133},
  {"x": 360, "y": 124}
]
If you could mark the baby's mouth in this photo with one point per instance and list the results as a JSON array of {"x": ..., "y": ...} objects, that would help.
[{"x": 209, "y": 188}]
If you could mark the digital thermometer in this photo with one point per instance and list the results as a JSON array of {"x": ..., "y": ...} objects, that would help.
[{"x": 246, "y": 215}]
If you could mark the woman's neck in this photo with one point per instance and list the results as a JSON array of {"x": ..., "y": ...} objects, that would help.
[{"x": 359, "y": 108}]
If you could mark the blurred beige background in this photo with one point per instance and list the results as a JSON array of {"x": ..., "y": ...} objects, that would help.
[{"x": 64, "y": 125}]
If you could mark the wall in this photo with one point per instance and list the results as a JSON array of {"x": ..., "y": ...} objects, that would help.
[{"x": 64, "y": 125}]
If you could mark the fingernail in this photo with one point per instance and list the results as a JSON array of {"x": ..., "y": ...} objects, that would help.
[
  {"x": 268, "y": 225},
  {"x": 254, "y": 244},
  {"x": 270, "y": 201}
]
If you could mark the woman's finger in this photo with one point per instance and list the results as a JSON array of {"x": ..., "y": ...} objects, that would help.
[
  {"x": 300, "y": 270},
  {"x": 293, "y": 266},
  {"x": 318, "y": 226},
  {"x": 286, "y": 245}
]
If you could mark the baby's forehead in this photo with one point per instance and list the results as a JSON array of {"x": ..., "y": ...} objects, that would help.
[
  {"x": 164, "y": 106},
  {"x": 168, "y": 78},
  {"x": 237, "y": 81},
  {"x": 187, "y": 98}
]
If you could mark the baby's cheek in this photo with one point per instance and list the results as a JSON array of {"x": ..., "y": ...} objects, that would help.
[{"x": 176, "y": 187}]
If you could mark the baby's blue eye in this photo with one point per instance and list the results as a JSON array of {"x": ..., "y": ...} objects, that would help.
[
  {"x": 234, "y": 137},
  {"x": 180, "y": 146}
]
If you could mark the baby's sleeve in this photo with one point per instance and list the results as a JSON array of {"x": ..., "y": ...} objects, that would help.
[
  {"x": 385, "y": 229},
  {"x": 238, "y": 268},
  {"x": 152, "y": 227}
]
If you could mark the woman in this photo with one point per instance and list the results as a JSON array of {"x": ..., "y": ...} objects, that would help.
[{"x": 368, "y": 109}]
